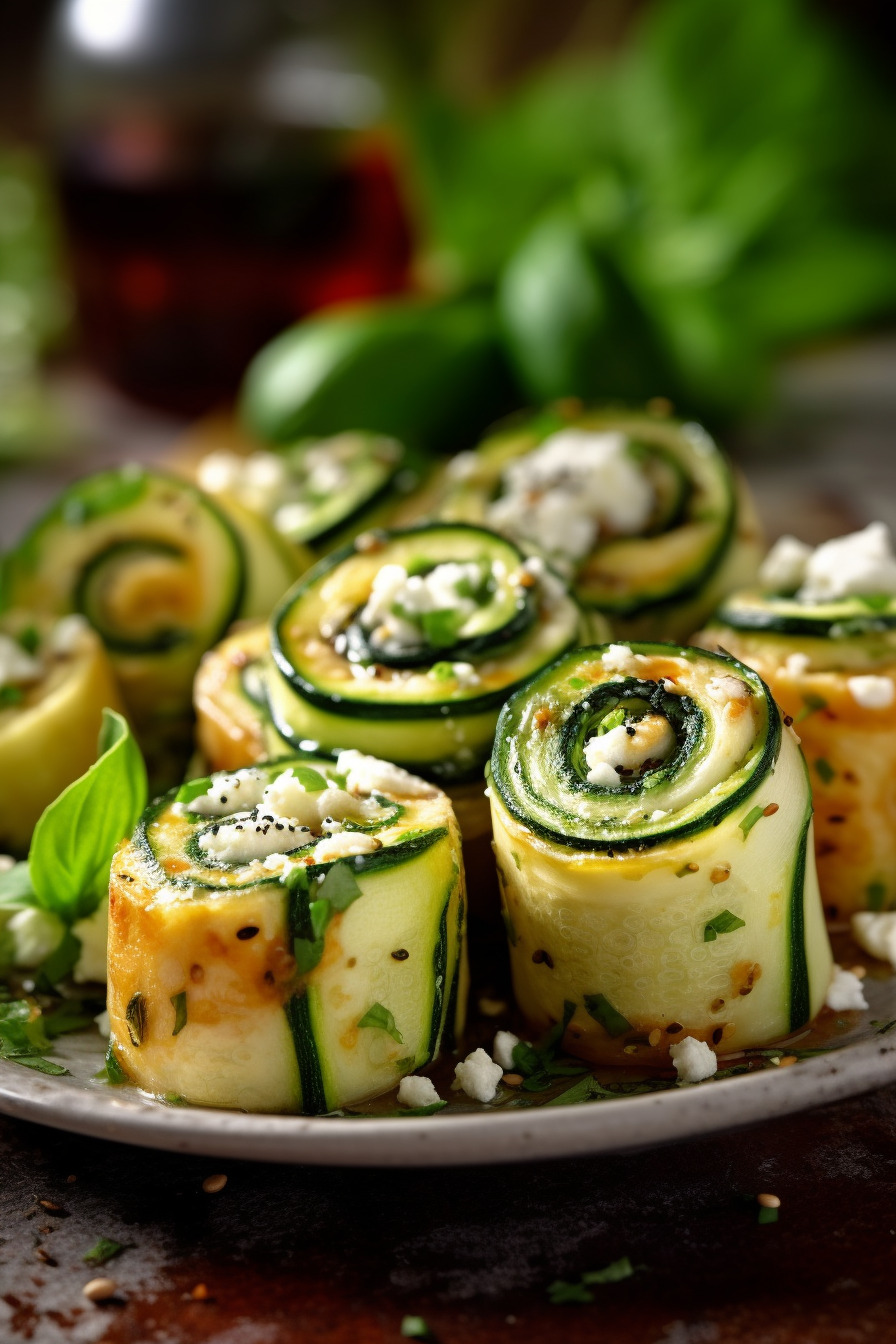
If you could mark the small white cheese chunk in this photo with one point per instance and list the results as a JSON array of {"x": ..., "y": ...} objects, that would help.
[
  {"x": 68, "y": 633},
  {"x": 876, "y": 934},
  {"x": 502, "y": 1051},
  {"x": 103, "y": 1023},
  {"x": 259, "y": 481},
  {"x": 862, "y": 563},
  {"x": 796, "y": 664},
  {"x": 246, "y": 837},
  {"x": 478, "y": 1075},
  {"x": 415, "y": 1091},
  {"x": 693, "y": 1060},
  {"x": 845, "y": 992},
  {"x": 658, "y": 814},
  {"x": 16, "y": 666},
  {"x": 345, "y": 845},
  {"x": 784, "y": 568},
  {"x": 417, "y": 595},
  {"x": 872, "y": 692},
  {"x": 93, "y": 933},
  {"x": 617, "y": 658},
  {"x": 35, "y": 934},
  {"x": 6, "y": 862},
  {"x": 230, "y": 793},
  {"x": 601, "y": 774},
  {"x": 368, "y": 774},
  {"x": 723, "y": 689},
  {"x": 628, "y": 747}
]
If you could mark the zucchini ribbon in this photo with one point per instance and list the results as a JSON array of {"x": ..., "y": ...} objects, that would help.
[
  {"x": 289, "y": 938},
  {"x": 642, "y": 511},
  {"x": 652, "y": 826}
]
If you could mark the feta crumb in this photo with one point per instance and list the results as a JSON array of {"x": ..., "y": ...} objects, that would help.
[
  {"x": 603, "y": 775},
  {"x": 462, "y": 467},
  {"x": 726, "y": 688},
  {"x": 103, "y": 1023},
  {"x": 417, "y": 595},
  {"x": 478, "y": 1075},
  {"x": 93, "y": 933},
  {"x": 35, "y": 934},
  {"x": 693, "y": 1060},
  {"x": 876, "y": 933},
  {"x": 16, "y": 666},
  {"x": 230, "y": 793},
  {"x": 796, "y": 664},
  {"x": 502, "y": 1050},
  {"x": 861, "y": 563},
  {"x": 246, "y": 837},
  {"x": 345, "y": 845},
  {"x": 466, "y": 674},
  {"x": 872, "y": 692},
  {"x": 68, "y": 633},
  {"x": 658, "y": 814},
  {"x": 368, "y": 774},
  {"x": 415, "y": 1091},
  {"x": 617, "y": 658},
  {"x": 627, "y": 747},
  {"x": 845, "y": 992},
  {"x": 259, "y": 480},
  {"x": 784, "y": 568}
]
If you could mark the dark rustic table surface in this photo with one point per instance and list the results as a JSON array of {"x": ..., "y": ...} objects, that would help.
[{"x": 302, "y": 1253}]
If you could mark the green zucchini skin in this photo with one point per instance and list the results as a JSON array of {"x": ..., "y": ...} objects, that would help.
[
  {"x": 702, "y": 541},
  {"x": 613, "y": 892},
  {"x": 273, "y": 1018}
]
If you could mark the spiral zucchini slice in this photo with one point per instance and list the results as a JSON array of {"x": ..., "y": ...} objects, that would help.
[
  {"x": 652, "y": 828},
  {"x": 656, "y": 572},
  {"x": 50, "y": 717},
  {"x": 295, "y": 965},
  {"x": 832, "y": 668}
]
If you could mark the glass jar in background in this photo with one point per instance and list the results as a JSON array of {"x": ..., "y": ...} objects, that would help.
[{"x": 223, "y": 170}]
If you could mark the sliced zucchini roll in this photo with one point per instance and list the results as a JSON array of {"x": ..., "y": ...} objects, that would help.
[
  {"x": 641, "y": 511},
  {"x": 653, "y": 829},
  {"x": 822, "y": 632},
  {"x": 55, "y": 681},
  {"x": 288, "y": 938},
  {"x": 159, "y": 570},
  {"x": 317, "y": 493}
]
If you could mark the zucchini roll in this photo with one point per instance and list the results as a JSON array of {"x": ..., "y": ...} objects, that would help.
[
  {"x": 822, "y": 632},
  {"x": 653, "y": 829},
  {"x": 55, "y": 681},
  {"x": 317, "y": 493},
  {"x": 289, "y": 937},
  {"x": 160, "y": 571},
  {"x": 642, "y": 512}
]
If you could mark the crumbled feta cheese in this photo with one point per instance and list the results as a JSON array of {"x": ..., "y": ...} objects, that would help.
[
  {"x": 259, "y": 481},
  {"x": 6, "y": 862},
  {"x": 35, "y": 934},
  {"x": 627, "y": 747},
  {"x": 230, "y": 793},
  {"x": 68, "y": 633},
  {"x": 784, "y": 568},
  {"x": 93, "y": 933},
  {"x": 693, "y": 1060},
  {"x": 876, "y": 934},
  {"x": 845, "y": 992},
  {"x": 293, "y": 517},
  {"x": 465, "y": 674},
  {"x": 345, "y": 845},
  {"x": 247, "y": 836},
  {"x": 478, "y": 1075},
  {"x": 16, "y": 666},
  {"x": 502, "y": 1051},
  {"x": 574, "y": 486},
  {"x": 368, "y": 774},
  {"x": 796, "y": 664},
  {"x": 862, "y": 563},
  {"x": 397, "y": 597},
  {"x": 103, "y": 1023},
  {"x": 462, "y": 467},
  {"x": 872, "y": 692},
  {"x": 415, "y": 1091},
  {"x": 617, "y": 658},
  {"x": 723, "y": 689},
  {"x": 658, "y": 814}
]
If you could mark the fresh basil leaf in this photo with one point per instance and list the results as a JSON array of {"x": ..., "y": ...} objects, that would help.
[
  {"x": 320, "y": 913},
  {"x": 381, "y": 1019},
  {"x": 431, "y": 1109},
  {"x": 11, "y": 695},
  {"x": 441, "y": 628},
  {"x": 179, "y": 1003},
  {"x": 553, "y": 1040},
  {"x": 193, "y": 788},
  {"x": 601, "y": 1009},
  {"x": 15, "y": 886},
  {"x": 526, "y": 1059},
  {"x": 724, "y": 922},
  {"x": 77, "y": 835},
  {"x": 114, "y": 1073},
  {"x": 307, "y": 953},
  {"x": 105, "y": 1250},
  {"x": 340, "y": 886},
  {"x": 40, "y": 1065}
]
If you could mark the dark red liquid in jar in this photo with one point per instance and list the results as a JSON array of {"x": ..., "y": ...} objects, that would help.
[{"x": 183, "y": 269}]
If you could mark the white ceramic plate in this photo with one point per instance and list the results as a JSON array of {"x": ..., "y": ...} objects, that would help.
[{"x": 863, "y": 1056}]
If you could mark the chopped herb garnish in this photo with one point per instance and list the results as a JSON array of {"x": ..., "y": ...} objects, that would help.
[
  {"x": 61, "y": 961},
  {"x": 767, "y": 1215},
  {"x": 560, "y": 1292},
  {"x": 417, "y": 566},
  {"x": 875, "y": 601},
  {"x": 536, "y": 1063},
  {"x": 11, "y": 695},
  {"x": 381, "y": 1019},
  {"x": 23, "y": 1039},
  {"x": 825, "y": 770},
  {"x": 876, "y": 893},
  {"x": 577, "y": 683},
  {"x": 307, "y": 952},
  {"x": 135, "y": 1016},
  {"x": 442, "y": 671},
  {"x": 516, "y": 860},
  {"x": 311, "y": 780},
  {"x": 105, "y": 1250},
  {"x": 179, "y": 1002},
  {"x": 601, "y": 1009},
  {"x": 614, "y": 720},
  {"x": 193, "y": 788},
  {"x": 335, "y": 893},
  {"x": 29, "y": 639},
  {"x": 750, "y": 820},
  {"x": 339, "y": 886},
  {"x": 509, "y": 927},
  {"x": 115, "y": 1074},
  {"x": 414, "y": 1327},
  {"x": 811, "y": 704},
  {"x": 724, "y": 922},
  {"x": 614, "y": 1273},
  {"x": 441, "y": 628}
]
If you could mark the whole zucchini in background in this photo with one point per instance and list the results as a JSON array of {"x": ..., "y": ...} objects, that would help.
[
  {"x": 653, "y": 830},
  {"x": 301, "y": 961},
  {"x": 429, "y": 374}
]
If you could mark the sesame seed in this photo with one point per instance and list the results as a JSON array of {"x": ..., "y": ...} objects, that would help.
[
  {"x": 200, "y": 1293},
  {"x": 512, "y": 1079},
  {"x": 99, "y": 1290},
  {"x": 768, "y": 1201},
  {"x": 720, "y": 874},
  {"x": 788, "y": 1059},
  {"x": 692, "y": 867},
  {"x": 212, "y": 1184},
  {"x": 770, "y": 810},
  {"x": 655, "y": 1037}
]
